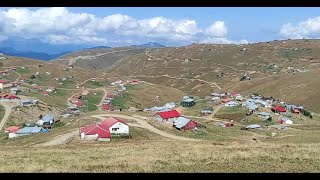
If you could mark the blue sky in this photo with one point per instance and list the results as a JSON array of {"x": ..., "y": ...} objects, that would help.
[{"x": 171, "y": 26}]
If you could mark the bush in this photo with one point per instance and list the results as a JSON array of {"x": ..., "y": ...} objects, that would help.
[{"x": 59, "y": 124}]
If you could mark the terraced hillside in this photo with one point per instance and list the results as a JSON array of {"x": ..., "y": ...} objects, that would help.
[{"x": 97, "y": 59}]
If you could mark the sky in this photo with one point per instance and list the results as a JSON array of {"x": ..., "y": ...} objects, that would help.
[{"x": 170, "y": 26}]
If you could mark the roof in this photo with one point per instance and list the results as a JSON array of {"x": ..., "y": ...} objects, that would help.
[
  {"x": 253, "y": 126},
  {"x": 3, "y": 81},
  {"x": 12, "y": 128},
  {"x": 29, "y": 130},
  {"x": 180, "y": 122},
  {"x": 169, "y": 114},
  {"x": 264, "y": 113},
  {"x": 14, "y": 89},
  {"x": 101, "y": 130},
  {"x": 279, "y": 108},
  {"x": 47, "y": 118},
  {"x": 111, "y": 121},
  {"x": 26, "y": 100},
  {"x": 188, "y": 100}
]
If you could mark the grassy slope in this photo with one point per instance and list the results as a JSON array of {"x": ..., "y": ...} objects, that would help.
[{"x": 163, "y": 156}]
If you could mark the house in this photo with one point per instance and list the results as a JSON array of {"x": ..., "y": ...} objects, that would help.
[
  {"x": 183, "y": 123},
  {"x": 231, "y": 104},
  {"x": 10, "y": 96},
  {"x": 240, "y": 98},
  {"x": 278, "y": 109},
  {"x": 46, "y": 121},
  {"x": 70, "y": 66},
  {"x": 285, "y": 120},
  {"x": 215, "y": 99},
  {"x": 4, "y": 84},
  {"x": 187, "y": 101},
  {"x": 38, "y": 88},
  {"x": 264, "y": 115},
  {"x": 27, "y": 102},
  {"x": 15, "y": 90},
  {"x": 226, "y": 100},
  {"x": 25, "y": 131},
  {"x": 95, "y": 132},
  {"x": 206, "y": 111},
  {"x": 215, "y": 94},
  {"x": 45, "y": 93},
  {"x": 4, "y": 73},
  {"x": 166, "y": 116},
  {"x": 11, "y": 129},
  {"x": 253, "y": 126},
  {"x": 50, "y": 89},
  {"x": 116, "y": 126},
  {"x": 105, "y": 107},
  {"x": 77, "y": 103},
  {"x": 133, "y": 81}
]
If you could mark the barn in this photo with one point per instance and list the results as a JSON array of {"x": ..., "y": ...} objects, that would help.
[
  {"x": 95, "y": 132},
  {"x": 183, "y": 123},
  {"x": 167, "y": 116},
  {"x": 116, "y": 126}
]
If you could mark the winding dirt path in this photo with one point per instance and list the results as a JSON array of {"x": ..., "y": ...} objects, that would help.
[
  {"x": 8, "y": 107},
  {"x": 61, "y": 139},
  {"x": 143, "y": 124}
]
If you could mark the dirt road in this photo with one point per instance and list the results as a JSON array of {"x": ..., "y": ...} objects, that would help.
[
  {"x": 143, "y": 124},
  {"x": 62, "y": 139},
  {"x": 7, "y": 106},
  {"x": 104, "y": 97}
]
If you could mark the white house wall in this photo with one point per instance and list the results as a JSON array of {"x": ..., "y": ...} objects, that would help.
[{"x": 123, "y": 128}]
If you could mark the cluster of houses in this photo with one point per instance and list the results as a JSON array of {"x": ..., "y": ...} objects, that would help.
[
  {"x": 166, "y": 107},
  {"x": 256, "y": 103},
  {"x": 173, "y": 117},
  {"x": 44, "y": 123},
  {"x": 44, "y": 91}
]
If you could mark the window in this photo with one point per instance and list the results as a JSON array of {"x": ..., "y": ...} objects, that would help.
[{"x": 115, "y": 129}]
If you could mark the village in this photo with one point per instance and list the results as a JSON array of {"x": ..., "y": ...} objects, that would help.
[{"x": 270, "y": 112}]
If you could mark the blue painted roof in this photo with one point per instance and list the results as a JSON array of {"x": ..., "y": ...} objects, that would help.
[
  {"x": 29, "y": 130},
  {"x": 180, "y": 122},
  {"x": 47, "y": 118}
]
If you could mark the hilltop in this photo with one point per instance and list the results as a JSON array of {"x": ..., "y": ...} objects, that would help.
[{"x": 203, "y": 68}]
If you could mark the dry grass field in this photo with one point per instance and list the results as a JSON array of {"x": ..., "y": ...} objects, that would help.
[{"x": 162, "y": 156}]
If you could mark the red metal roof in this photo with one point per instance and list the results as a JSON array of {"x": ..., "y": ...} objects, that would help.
[
  {"x": 44, "y": 92},
  {"x": 12, "y": 129},
  {"x": 105, "y": 106},
  {"x": 101, "y": 130},
  {"x": 78, "y": 103},
  {"x": 279, "y": 109},
  {"x": 296, "y": 110},
  {"x": 169, "y": 114},
  {"x": 3, "y": 81},
  {"x": 226, "y": 100},
  {"x": 111, "y": 121}
]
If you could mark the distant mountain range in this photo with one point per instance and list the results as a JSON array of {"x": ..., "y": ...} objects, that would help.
[
  {"x": 36, "y": 49},
  {"x": 150, "y": 44},
  {"x": 34, "y": 55}
]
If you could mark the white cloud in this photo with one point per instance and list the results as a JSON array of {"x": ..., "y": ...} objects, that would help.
[
  {"x": 305, "y": 29},
  {"x": 58, "y": 25},
  {"x": 217, "y": 29}
]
